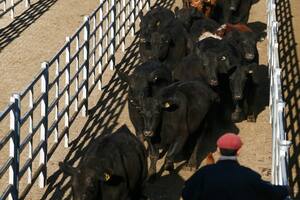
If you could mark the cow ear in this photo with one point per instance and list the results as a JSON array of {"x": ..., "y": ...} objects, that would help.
[
  {"x": 68, "y": 169},
  {"x": 141, "y": 15},
  {"x": 176, "y": 9},
  {"x": 124, "y": 77}
]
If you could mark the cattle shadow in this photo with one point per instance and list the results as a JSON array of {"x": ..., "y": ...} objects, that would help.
[
  {"x": 262, "y": 93},
  {"x": 289, "y": 64},
  {"x": 103, "y": 118},
  {"x": 23, "y": 21}
]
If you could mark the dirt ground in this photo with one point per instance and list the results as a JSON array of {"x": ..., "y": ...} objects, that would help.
[{"x": 108, "y": 109}]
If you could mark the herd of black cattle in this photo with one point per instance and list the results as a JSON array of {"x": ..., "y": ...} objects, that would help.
[{"x": 192, "y": 65}]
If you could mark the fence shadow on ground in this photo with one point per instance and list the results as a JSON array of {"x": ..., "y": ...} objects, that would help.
[
  {"x": 23, "y": 21},
  {"x": 289, "y": 64}
]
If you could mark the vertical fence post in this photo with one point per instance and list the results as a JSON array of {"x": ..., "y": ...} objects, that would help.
[
  {"x": 67, "y": 95},
  {"x": 30, "y": 131},
  {"x": 86, "y": 51},
  {"x": 57, "y": 94},
  {"x": 100, "y": 50},
  {"x": 112, "y": 34},
  {"x": 123, "y": 22},
  {"x": 12, "y": 11},
  {"x": 44, "y": 126},
  {"x": 14, "y": 146},
  {"x": 132, "y": 17},
  {"x": 27, "y": 3}
]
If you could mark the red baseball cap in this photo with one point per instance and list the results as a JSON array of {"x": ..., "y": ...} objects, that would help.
[{"x": 229, "y": 141}]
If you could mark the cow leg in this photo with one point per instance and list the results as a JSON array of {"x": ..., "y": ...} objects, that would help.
[
  {"x": 154, "y": 156},
  {"x": 173, "y": 150},
  {"x": 137, "y": 121},
  {"x": 192, "y": 164},
  {"x": 251, "y": 104},
  {"x": 237, "y": 114}
]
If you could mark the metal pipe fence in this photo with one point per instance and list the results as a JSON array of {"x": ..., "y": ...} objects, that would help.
[
  {"x": 52, "y": 101},
  {"x": 280, "y": 144},
  {"x": 9, "y": 7}
]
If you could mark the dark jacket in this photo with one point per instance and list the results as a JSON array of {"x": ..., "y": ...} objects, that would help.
[{"x": 227, "y": 180}]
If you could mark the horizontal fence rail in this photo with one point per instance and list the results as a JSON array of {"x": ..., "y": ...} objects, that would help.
[
  {"x": 280, "y": 146},
  {"x": 52, "y": 101}
]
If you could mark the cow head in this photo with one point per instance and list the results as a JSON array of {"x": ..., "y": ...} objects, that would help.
[
  {"x": 237, "y": 81},
  {"x": 87, "y": 181},
  {"x": 215, "y": 60},
  {"x": 151, "y": 113},
  {"x": 187, "y": 15},
  {"x": 245, "y": 42},
  {"x": 146, "y": 76},
  {"x": 160, "y": 44},
  {"x": 153, "y": 108}
]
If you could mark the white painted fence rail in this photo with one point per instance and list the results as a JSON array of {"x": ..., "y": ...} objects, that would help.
[
  {"x": 280, "y": 153},
  {"x": 51, "y": 103}
]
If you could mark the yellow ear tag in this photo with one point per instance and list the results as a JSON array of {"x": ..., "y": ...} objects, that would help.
[
  {"x": 106, "y": 177},
  {"x": 167, "y": 105},
  {"x": 157, "y": 23}
]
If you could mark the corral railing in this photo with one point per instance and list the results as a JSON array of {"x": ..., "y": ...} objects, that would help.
[
  {"x": 280, "y": 153},
  {"x": 8, "y": 7},
  {"x": 60, "y": 91}
]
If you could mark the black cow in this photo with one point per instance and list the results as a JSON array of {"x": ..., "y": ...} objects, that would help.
[
  {"x": 155, "y": 18},
  {"x": 243, "y": 84},
  {"x": 187, "y": 16},
  {"x": 145, "y": 81},
  {"x": 232, "y": 11},
  {"x": 171, "y": 43},
  {"x": 202, "y": 25},
  {"x": 173, "y": 116},
  {"x": 217, "y": 56},
  {"x": 189, "y": 68},
  {"x": 245, "y": 43},
  {"x": 113, "y": 168}
]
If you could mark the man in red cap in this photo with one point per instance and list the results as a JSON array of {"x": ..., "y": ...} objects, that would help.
[{"x": 228, "y": 180}]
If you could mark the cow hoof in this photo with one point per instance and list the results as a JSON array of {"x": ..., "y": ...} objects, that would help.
[
  {"x": 237, "y": 117},
  {"x": 251, "y": 118}
]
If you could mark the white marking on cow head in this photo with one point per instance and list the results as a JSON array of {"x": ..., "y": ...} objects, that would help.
[{"x": 208, "y": 34}]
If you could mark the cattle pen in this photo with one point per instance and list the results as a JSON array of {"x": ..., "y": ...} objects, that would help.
[{"x": 77, "y": 95}]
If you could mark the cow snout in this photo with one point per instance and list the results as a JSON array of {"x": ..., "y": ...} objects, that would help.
[
  {"x": 214, "y": 82},
  {"x": 249, "y": 56},
  {"x": 148, "y": 133}
]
